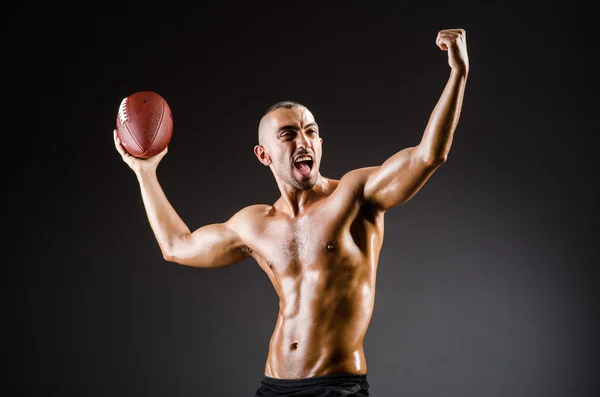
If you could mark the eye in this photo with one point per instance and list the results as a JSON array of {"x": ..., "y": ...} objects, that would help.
[{"x": 313, "y": 131}]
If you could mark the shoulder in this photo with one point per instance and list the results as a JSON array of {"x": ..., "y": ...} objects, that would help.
[
  {"x": 251, "y": 211},
  {"x": 248, "y": 216},
  {"x": 356, "y": 179},
  {"x": 351, "y": 186}
]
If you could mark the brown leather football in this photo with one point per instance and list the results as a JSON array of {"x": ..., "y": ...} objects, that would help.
[{"x": 144, "y": 124}]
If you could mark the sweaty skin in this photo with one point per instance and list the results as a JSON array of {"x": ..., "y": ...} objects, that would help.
[
  {"x": 319, "y": 243},
  {"x": 322, "y": 262}
]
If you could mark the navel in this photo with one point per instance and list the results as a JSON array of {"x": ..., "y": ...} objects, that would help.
[{"x": 294, "y": 346}]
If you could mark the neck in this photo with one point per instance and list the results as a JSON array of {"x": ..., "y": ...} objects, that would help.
[{"x": 295, "y": 201}]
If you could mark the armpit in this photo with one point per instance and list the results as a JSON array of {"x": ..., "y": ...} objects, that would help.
[{"x": 246, "y": 250}]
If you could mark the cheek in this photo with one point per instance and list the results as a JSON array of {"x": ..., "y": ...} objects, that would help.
[{"x": 318, "y": 150}]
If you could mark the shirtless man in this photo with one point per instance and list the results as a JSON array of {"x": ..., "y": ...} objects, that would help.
[{"x": 319, "y": 243}]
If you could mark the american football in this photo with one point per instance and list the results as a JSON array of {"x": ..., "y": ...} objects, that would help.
[{"x": 144, "y": 123}]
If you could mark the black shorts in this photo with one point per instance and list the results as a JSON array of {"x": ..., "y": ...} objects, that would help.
[{"x": 334, "y": 385}]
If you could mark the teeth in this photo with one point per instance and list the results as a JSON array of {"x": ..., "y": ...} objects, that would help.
[{"x": 303, "y": 158}]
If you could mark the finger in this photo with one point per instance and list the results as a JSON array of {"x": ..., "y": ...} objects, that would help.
[
  {"x": 462, "y": 31},
  {"x": 118, "y": 145},
  {"x": 447, "y": 39},
  {"x": 164, "y": 151},
  {"x": 442, "y": 42},
  {"x": 116, "y": 139},
  {"x": 452, "y": 34}
]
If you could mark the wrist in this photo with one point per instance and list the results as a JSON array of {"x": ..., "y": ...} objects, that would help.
[
  {"x": 460, "y": 71},
  {"x": 145, "y": 173}
]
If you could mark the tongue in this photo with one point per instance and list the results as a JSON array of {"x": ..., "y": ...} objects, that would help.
[{"x": 303, "y": 168}]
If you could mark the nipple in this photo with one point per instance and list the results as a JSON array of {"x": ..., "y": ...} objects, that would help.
[{"x": 330, "y": 245}]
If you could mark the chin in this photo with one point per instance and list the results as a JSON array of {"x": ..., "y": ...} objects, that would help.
[{"x": 307, "y": 183}]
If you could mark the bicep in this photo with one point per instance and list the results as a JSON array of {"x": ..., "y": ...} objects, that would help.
[
  {"x": 398, "y": 179},
  {"x": 210, "y": 246}
]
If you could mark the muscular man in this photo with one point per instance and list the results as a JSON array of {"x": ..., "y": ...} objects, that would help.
[{"x": 319, "y": 243}]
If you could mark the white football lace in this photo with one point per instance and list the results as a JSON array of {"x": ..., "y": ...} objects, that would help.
[{"x": 123, "y": 116}]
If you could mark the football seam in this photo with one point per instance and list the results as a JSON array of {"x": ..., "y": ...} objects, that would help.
[
  {"x": 133, "y": 137},
  {"x": 162, "y": 115}
]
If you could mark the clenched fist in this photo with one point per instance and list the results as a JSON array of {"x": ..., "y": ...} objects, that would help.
[{"x": 455, "y": 42}]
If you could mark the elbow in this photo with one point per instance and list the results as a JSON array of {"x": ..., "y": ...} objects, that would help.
[
  {"x": 175, "y": 249},
  {"x": 439, "y": 160},
  {"x": 179, "y": 260},
  {"x": 169, "y": 257},
  {"x": 182, "y": 257},
  {"x": 435, "y": 160},
  {"x": 431, "y": 158},
  {"x": 168, "y": 253}
]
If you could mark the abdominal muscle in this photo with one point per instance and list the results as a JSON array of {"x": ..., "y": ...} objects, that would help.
[{"x": 321, "y": 324}]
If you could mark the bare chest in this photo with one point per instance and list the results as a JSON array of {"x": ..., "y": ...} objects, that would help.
[
  {"x": 306, "y": 240},
  {"x": 329, "y": 237}
]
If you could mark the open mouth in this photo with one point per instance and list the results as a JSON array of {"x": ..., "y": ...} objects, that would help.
[{"x": 304, "y": 165}]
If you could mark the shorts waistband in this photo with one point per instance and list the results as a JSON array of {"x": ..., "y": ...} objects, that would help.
[{"x": 314, "y": 380}]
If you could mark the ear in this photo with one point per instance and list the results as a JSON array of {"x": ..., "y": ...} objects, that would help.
[{"x": 262, "y": 155}]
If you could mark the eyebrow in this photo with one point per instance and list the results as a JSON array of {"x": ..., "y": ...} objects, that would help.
[{"x": 293, "y": 127}]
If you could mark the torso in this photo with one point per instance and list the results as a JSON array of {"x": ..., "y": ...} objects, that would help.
[{"x": 322, "y": 264}]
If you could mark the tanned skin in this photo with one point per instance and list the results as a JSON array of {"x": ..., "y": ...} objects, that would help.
[{"x": 319, "y": 243}]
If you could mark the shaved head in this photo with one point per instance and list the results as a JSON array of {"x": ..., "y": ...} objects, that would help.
[{"x": 265, "y": 117}]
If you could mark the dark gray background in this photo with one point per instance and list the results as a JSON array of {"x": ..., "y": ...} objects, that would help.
[{"x": 487, "y": 278}]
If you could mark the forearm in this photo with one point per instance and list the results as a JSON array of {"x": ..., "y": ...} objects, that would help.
[
  {"x": 164, "y": 220},
  {"x": 439, "y": 132}
]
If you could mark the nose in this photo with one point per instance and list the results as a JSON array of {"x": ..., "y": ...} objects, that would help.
[{"x": 303, "y": 140}]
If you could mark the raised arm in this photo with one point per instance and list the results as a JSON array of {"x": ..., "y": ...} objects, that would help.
[
  {"x": 401, "y": 176},
  {"x": 213, "y": 245}
]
